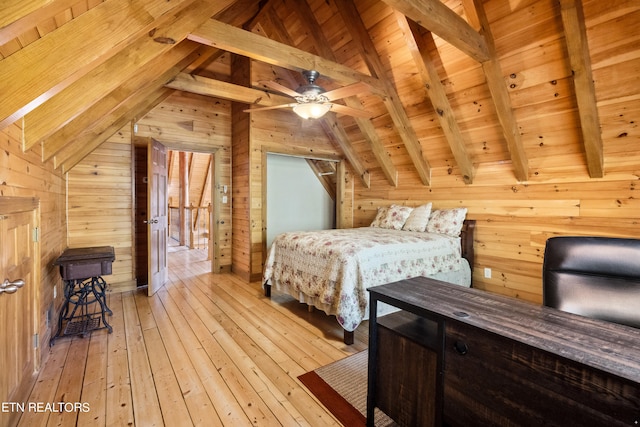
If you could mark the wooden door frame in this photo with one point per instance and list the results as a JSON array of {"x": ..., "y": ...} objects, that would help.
[
  {"x": 217, "y": 192},
  {"x": 340, "y": 186}
]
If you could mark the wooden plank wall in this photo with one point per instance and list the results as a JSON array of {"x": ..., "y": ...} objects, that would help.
[
  {"x": 24, "y": 175},
  {"x": 222, "y": 220},
  {"x": 515, "y": 219},
  {"x": 100, "y": 205},
  {"x": 188, "y": 122},
  {"x": 514, "y": 222}
]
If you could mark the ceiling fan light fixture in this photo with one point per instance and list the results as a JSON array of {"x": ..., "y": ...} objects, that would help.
[{"x": 312, "y": 110}]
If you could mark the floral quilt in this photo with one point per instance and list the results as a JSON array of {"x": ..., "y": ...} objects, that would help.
[{"x": 331, "y": 269}]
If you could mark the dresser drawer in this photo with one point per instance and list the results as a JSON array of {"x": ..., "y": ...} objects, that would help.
[{"x": 499, "y": 381}]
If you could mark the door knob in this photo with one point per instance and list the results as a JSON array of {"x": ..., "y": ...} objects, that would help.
[
  {"x": 151, "y": 221},
  {"x": 11, "y": 287}
]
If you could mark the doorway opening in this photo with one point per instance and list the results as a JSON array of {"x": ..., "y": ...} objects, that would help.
[{"x": 188, "y": 205}]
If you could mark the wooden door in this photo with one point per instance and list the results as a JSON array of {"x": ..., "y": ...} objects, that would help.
[
  {"x": 158, "y": 216},
  {"x": 19, "y": 255}
]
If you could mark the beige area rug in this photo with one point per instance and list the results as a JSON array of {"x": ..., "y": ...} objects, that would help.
[{"x": 342, "y": 388}]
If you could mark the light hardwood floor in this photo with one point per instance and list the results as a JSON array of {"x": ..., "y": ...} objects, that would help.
[{"x": 205, "y": 350}]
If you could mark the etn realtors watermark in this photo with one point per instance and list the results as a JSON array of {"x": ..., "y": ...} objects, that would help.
[{"x": 45, "y": 407}]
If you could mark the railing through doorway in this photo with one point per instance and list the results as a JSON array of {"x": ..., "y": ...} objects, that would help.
[{"x": 198, "y": 218}]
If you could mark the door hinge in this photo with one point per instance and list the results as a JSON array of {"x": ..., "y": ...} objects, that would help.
[
  {"x": 36, "y": 234},
  {"x": 36, "y": 340}
]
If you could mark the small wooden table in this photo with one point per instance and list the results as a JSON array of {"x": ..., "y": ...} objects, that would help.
[
  {"x": 495, "y": 360},
  {"x": 85, "y": 305}
]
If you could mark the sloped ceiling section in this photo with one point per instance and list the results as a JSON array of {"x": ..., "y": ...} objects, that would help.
[{"x": 77, "y": 71}]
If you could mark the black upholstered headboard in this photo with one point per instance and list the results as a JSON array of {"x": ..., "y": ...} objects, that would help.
[{"x": 597, "y": 277}]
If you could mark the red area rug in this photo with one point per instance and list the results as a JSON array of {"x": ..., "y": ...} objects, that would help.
[{"x": 342, "y": 388}]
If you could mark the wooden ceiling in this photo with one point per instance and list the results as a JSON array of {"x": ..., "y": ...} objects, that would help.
[{"x": 456, "y": 84}]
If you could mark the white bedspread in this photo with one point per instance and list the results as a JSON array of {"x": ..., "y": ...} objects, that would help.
[{"x": 331, "y": 269}]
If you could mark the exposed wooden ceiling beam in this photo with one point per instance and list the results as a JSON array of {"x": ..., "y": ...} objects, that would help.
[
  {"x": 420, "y": 47},
  {"x": 209, "y": 55},
  {"x": 140, "y": 105},
  {"x": 237, "y": 15},
  {"x": 19, "y": 16},
  {"x": 439, "y": 19},
  {"x": 93, "y": 87},
  {"x": 236, "y": 40},
  {"x": 576, "y": 39},
  {"x": 219, "y": 89},
  {"x": 156, "y": 73},
  {"x": 495, "y": 81},
  {"x": 331, "y": 126},
  {"x": 77, "y": 47},
  {"x": 338, "y": 135},
  {"x": 392, "y": 101},
  {"x": 365, "y": 125}
]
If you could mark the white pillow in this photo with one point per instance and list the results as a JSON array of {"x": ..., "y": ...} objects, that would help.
[
  {"x": 418, "y": 219},
  {"x": 392, "y": 217},
  {"x": 447, "y": 221}
]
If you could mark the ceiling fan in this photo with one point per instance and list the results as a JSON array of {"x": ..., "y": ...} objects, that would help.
[{"x": 313, "y": 101}]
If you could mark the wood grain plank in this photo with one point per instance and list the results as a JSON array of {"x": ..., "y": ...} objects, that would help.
[
  {"x": 70, "y": 386},
  {"x": 209, "y": 348},
  {"x": 200, "y": 407},
  {"x": 19, "y": 16},
  {"x": 146, "y": 408},
  {"x": 119, "y": 400},
  {"x": 45, "y": 388},
  {"x": 108, "y": 28}
]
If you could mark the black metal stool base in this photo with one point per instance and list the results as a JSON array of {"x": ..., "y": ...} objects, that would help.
[{"x": 84, "y": 309}]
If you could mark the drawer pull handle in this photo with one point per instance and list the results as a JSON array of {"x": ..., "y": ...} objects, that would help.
[{"x": 461, "y": 347}]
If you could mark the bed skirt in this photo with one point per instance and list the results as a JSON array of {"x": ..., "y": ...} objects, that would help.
[{"x": 461, "y": 277}]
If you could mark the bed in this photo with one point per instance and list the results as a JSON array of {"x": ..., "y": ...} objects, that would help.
[{"x": 331, "y": 269}]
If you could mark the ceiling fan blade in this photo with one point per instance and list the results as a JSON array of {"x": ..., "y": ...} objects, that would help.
[
  {"x": 277, "y": 86},
  {"x": 349, "y": 111},
  {"x": 273, "y": 107},
  {"x": 350, "y": 90}
]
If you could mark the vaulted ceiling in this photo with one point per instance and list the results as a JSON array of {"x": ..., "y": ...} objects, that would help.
[{"x": 451, "y": 84}]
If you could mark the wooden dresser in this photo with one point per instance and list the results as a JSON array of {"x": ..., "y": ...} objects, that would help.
[{"x": 460, "y": 357}]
